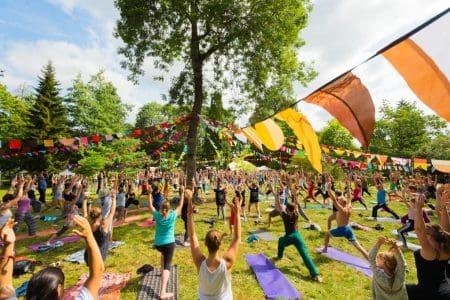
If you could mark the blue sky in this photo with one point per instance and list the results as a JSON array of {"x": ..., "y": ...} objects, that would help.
[{"x": 77, "y": 35}]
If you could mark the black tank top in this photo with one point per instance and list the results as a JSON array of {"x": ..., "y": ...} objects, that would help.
[{"x": 430, "y": 273}]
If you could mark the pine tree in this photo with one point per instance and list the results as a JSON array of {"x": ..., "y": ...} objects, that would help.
[{"x": 47, "y": 116}]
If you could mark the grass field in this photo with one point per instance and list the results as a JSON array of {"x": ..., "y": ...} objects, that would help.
[{"x": 340, "y": 281}]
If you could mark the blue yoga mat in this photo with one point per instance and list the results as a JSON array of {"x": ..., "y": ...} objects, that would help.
[{"x": 271, "y": 280}]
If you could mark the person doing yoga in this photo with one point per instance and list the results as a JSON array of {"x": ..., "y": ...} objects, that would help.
[
  {"x": 293, "y": 237},
  {"x": 344, "y": 210},
  {"x": 381, "y": 203},
  {"x": 165, "y": 237},
  {"x": 389, "y": 271},
  {"x": 214, "y": 271},
  {"x": 432, "y": 259},
  {"x": 48, "y": 284}
]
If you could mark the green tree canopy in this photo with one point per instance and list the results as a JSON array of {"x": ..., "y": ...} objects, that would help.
[
  {"x": 95, "y": 106},
  {"x": 334, "y": 134},
  {"x": 47, "y": 116},
  {"x": 403, "y": 129},
  {"x": 13, "y": 115},
  {"x": 154, "y": 113},
  {"x": 250, "y": 44},
  {"x": 437, "y": 148}
]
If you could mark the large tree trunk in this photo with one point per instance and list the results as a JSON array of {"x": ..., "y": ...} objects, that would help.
[{"x": 197, "y": 64}]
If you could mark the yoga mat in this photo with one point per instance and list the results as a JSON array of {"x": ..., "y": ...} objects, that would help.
[
  {"x": 147, "y": 223},
  {"x": 411, "y": 246},
  {"x": 179, "y": 241},
  {"x": 65, "y": 240},
  {"x": 129, "y": 220},
  {"x": 264, "y": 235},
  {"x": 359, "y": 208},
  {"x": 273, "y": 283},
  {"x": 318, "y": 206},
  {"x": 78, "y": 257},
  {"x": 384, "y": 220},
  {"x": 110, "y": 284},
  {"x": 150, "y": 284},
  {"x": 38, "y": 234},
  {"x": 373, "y": 202},
  {"x": 412, "y": 235},
  {"x": 355, "y": 262}
]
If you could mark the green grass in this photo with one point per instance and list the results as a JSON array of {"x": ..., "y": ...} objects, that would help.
[{"x": 340, "y": 281}]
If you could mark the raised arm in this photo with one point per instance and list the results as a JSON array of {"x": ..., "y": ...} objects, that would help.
[
  {"x": 427, "y": 250},
  {"x": 150, "y": 200},
  {"x": 112, "y": 212},
  {"x": 181, "y": 202},
  {"x": 95, "y": 261},
  {"x": 231, "y": 253},
  {"x": 19, "y": 184},
  {"x": 196, "y": 252},
  {"x": 7, "y": 260}
]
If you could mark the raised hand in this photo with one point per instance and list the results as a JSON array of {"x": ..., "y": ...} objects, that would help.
[
  {"x": 7, "y": 232},
  {"x": 84, "y": 230}
]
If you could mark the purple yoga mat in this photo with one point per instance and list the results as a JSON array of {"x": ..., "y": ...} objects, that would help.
[
  {"x": 271, "y": 280},
  {"x": 65, "y": 240},
  {"x": 355, "y": 262}
]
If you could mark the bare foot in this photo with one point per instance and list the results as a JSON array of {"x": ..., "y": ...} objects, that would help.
[
  {"x": 166, "y": 296},
  {"x": 324, "y": 250},
  {"x": 318, "y": 278}
]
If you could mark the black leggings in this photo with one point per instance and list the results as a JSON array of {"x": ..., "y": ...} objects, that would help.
[
  {"x": 383, "y": 206},
  {"x": 167, "y": 254},
  {"x": 220, "y": 208},
  {"x": 130, "y": 201},
  {"x": 184, "y": 218},
  {"x": 409, "y": 226},
  {"x": 366, "y": 190}
]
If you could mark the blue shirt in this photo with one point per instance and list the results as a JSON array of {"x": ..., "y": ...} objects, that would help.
[
  {"x": 381, "y": 197},
  {"x": 165, "y": 228}
]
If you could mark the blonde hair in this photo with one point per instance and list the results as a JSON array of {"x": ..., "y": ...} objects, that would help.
[{"x": 165, "y": 207}]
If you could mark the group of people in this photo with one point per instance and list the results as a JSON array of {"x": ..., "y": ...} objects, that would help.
[{"x": 214, "y": 270}]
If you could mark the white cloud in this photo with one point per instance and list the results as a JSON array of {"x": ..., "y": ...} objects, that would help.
[{"x": 340, "y": 34}]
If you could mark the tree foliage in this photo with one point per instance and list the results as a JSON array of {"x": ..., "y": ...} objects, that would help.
[
  {"x": 47, "y": 116},
  {"x": 334, "y": 134},
  {"x": 437, "y": 148},
  {"x": 95, "y": 107},
  {"x": 250, "y": 44},
  {"x": 120, "y": 154},
  {"x": 403, "y": 129},
  {"x": 154, "y": 113},
  {"x": 13, "y": 112}
]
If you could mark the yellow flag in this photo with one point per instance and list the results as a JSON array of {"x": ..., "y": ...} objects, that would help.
[
  {"x": 305, "y": 133},
  {"x": 270, "y": 134}
]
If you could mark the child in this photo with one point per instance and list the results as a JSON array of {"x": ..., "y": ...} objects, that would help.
[
  {"x": 237, "y": 199},
  {"x": 389, "y": 270},
  {"x": 344, "y": 210}
]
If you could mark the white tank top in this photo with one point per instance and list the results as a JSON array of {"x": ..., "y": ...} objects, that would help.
[{"x": 214, "y": 285}]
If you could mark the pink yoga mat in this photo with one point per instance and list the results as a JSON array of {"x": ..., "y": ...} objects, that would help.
[
  {"x": 65, "y": 240},
  {"x": 147, "y": 223}
]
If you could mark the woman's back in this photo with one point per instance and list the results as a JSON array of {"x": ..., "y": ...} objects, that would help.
[
  {"x": 214, "y": 284},
  {"x": 430, "y": 273}
]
